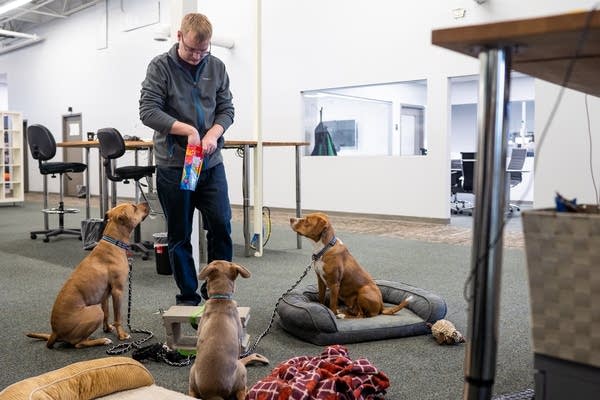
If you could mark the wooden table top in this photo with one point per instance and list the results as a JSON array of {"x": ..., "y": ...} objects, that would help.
[
  {"x": 129, "y": 144},
  {"x": 542, "y": 47},
  {"x": 144, "y": 144}
]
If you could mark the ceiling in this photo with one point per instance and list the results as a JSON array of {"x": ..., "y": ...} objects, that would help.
[{"x": 18, "y": 26}]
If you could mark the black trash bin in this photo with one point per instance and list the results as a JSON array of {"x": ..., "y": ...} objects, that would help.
[{"x": 161, "y": 254}]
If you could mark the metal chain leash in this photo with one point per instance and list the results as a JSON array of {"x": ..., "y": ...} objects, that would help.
[
  {"x": 122, "y": 348},
  {"x": 266, "y": 331}
]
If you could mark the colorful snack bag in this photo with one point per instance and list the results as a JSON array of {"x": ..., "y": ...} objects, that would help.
[{"x": 191, "y": 167}]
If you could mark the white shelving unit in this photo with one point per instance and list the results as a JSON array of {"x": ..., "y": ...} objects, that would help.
[{"x": 11, "y": 157}]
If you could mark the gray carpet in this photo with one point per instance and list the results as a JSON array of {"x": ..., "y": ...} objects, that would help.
[{"x": 33, "y": 272}]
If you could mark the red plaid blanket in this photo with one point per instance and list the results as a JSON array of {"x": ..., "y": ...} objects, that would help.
[{"x": 331, "y": 376}]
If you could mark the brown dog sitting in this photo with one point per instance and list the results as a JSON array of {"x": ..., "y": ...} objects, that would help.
[
  {"x": 339, "y": 272},
  {"x": 81, "y": 306},
  {"x": 217, "y": 371}
]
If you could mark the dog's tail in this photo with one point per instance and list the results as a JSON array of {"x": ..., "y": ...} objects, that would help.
[
  {"x": 395, "y": 309},
  {"x": 50, "y": 338}
]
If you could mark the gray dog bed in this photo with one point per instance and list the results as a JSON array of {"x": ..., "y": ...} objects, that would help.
[{"x": 303, "y": 316}]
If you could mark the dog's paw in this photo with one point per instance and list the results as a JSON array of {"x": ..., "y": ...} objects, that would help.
[
  {"x": 108, "y": 328},
  {"x": 340, "y": 315},
  {"x": 107, "y": 341},
  {"x": 124, "y": 336}
]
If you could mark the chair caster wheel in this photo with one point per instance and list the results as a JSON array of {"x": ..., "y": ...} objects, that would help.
[
  {"x": 79, "y": 237},
  {"x": 46, "y": 240},
  {"x": 145, "y": 257},
  {"x": 33, "y": 236}
]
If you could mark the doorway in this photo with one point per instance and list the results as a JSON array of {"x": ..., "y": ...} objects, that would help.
[
  {"x": 412, "y": 132},
  {"x": 71, "y": 128}
]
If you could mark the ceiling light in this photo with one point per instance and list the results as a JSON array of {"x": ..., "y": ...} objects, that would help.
[{"x": 12, "y": 5}]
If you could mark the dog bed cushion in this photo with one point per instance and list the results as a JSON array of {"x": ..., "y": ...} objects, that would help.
[
  {"x": 303, "y": 316},
  {"x": 82, "y": 380}
]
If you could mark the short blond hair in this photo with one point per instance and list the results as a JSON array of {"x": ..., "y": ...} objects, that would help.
[{"x": 198, "y": 24}]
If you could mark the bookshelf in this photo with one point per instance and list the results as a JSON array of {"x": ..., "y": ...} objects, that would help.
[{"x": 11, "y": 160}]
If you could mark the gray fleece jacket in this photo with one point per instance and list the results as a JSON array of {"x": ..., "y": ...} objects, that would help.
[{"x": 171, "y": 93}]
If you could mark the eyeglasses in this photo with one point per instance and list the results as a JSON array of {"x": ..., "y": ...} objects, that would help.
[{"x": 193, "y": 51}]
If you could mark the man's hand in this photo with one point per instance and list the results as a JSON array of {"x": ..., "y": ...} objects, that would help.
[{"x": 209, "y": 141}]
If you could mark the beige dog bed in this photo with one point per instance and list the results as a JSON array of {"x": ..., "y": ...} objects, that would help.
[{"x": 104, "y": 378}]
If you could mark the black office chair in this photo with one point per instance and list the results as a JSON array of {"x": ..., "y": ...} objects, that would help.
[
  {"x": 455, "y": 186},
  {"x": 112, "y": 146},
  {"x": 468, "y": 177},
  {"x": 43, "y": 148},
  {"x": 515, "y": 171}
]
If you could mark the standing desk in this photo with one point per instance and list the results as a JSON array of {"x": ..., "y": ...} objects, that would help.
[
  {"x": 543, "y": 48},
  {"x": 243, "y": 145},
  {"x": 135, "y": 145}
]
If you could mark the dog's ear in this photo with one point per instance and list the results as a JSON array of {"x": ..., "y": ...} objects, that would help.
[
  {"x": 241, "y": 270},
  {"x": 204, "y": 272}
]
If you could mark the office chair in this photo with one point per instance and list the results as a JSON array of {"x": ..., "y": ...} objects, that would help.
[
  {"x": 515, "y": 171},
  {"x": 112, "y": 146},
  {"x": 455, "y": 186},
  {"x": 468, "y": 174},
  {"x": 43, "y": 148}
]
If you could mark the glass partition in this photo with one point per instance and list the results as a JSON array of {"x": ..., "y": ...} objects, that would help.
[{"x": 382, "y": 119}]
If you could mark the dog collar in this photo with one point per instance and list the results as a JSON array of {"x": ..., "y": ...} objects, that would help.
[
  {"x": 318, "y": 255},
  {"x": 220, "y": 296},
  {"x": 116, "y": 242}
]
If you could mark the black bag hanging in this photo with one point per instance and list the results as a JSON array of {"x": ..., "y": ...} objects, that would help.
[{"x": 323, "y": 143}]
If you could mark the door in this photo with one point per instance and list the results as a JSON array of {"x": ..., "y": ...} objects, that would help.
[
  {"x": 412, "y": 132},
  {"x": 71, "y": 127}
]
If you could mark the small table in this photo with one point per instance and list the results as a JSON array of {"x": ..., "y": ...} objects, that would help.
[{"x": 543, "y": 48}]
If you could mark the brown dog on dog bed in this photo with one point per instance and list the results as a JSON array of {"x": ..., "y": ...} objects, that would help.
[{"x": 338, "y": 271}]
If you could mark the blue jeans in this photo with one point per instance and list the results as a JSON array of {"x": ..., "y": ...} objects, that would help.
[{"x": 212, "y": 199}]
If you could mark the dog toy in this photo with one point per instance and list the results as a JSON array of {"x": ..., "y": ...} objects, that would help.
[{"x": 444, "y": 332}]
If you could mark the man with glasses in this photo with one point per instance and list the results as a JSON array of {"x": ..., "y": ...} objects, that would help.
[{"x": 186, "y": 99}]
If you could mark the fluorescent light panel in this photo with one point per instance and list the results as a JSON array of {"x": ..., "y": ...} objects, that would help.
[{"x": 12, "y": 5}]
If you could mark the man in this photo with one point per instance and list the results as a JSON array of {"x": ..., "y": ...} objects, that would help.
[{"x": 185, "y": 98}]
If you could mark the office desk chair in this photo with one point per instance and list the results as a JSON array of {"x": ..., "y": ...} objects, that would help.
[
  {"x": 455, "y": 186},
  {"x": 515, "y": 171},
  {"x": 43, "y": 148},
  {"x": 468, "y": 173},
  {"x": 112, "y": 146}
]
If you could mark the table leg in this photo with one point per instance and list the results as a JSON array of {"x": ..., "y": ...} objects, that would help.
[
  {"x": 103, "y": 188},
  {"x": 87, "y": 183},
  {"x": 246, "y": 198},
  {"x": 113, "y": 186},
  {"x": 298, "y": 194},
  {"x": 488, "y": 220}
]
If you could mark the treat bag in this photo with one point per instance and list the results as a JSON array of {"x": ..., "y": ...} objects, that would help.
[{"x": 191, "y": 167}]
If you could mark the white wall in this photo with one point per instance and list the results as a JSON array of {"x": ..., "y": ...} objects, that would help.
[{"x": 306, "y": 45}]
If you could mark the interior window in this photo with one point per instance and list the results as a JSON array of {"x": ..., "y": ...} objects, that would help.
[{"x": 381, "y": 119}]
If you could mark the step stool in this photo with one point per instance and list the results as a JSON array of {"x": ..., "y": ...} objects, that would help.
[{"x": 177, "y": 318}]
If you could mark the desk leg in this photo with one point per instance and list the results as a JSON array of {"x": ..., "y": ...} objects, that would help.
[
  {"x": 113, "y": 186},
  {"x": 298, "y": 205},
  {"x": 87, "y": 183},
  {"x": 488, "y": 219},
  {"x": 103, "y": 188},
  {"x": 246, "y": 198}
]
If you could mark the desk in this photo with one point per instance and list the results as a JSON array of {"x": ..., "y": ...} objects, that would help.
[
  {"x": 243, "y": 145},
  {"x": 135, "y": 145},
  {"x": 543, "y": 48}
]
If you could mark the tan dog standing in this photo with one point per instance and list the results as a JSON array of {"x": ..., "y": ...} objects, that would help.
[
  {"x": 217, "y": 371},
  {"x": 81, "y": 306},
  {"x": 338, "y": 271}
]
